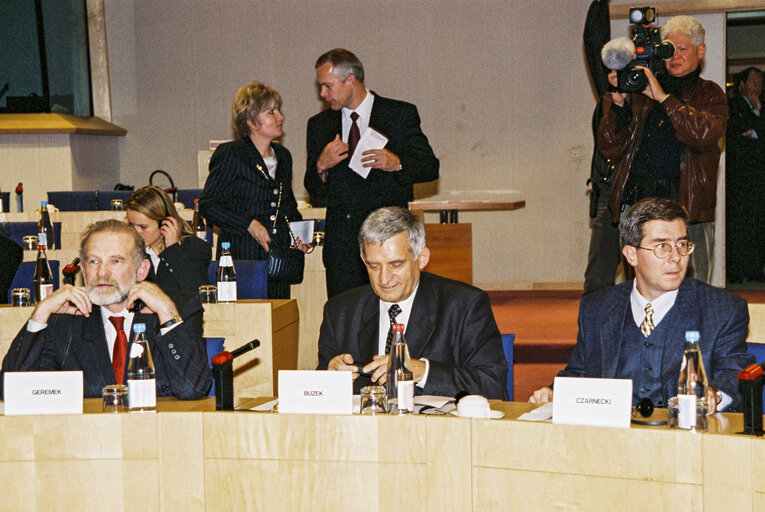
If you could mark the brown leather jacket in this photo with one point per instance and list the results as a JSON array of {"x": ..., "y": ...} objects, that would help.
[{"x": 699, "y": 116}]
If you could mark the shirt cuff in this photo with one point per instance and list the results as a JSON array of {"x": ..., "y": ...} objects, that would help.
[
  {"x": 725, "y": 402},
  {"x": 424, "y": 379},
  {"x": 166, "y": 330},
  {"x": 33, "y": 326}
]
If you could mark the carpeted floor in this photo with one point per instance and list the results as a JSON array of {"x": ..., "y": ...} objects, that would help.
[{"x": 544, "y": 324}]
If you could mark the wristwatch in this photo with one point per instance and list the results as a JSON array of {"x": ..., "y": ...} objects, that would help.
[{"x": 175, "y": 320}]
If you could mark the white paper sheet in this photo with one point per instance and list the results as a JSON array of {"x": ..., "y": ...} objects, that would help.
[
  {"x": 302, "y": 229},
  {"x": 370, "y": 139}
]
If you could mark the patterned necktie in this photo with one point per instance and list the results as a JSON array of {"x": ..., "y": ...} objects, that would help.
[
  {"x": 120, "y": 348},
  {"x": 393, "y": 312},
  {"x": 647, "y": 326},
  {"x": 353, "y": 135}
]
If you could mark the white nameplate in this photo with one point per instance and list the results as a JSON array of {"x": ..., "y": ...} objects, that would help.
[
  {"x": 315, "y": 392},
  {"x": 593, "y": 402},
  {"x": 42, "y": 393}
]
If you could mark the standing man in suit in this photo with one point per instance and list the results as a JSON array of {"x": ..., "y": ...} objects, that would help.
[
  {"x": 449, "y": 326},
  {"x": 331, "y": 140},
  {"x": 80, "y": 328},
  {"x": 635, "y": 330}
]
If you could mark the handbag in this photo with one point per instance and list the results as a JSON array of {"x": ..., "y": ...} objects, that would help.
[{"x": 285, "y": 264}]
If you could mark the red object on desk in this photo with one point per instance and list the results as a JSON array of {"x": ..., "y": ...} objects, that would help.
[{"x": 751, "y": 372}]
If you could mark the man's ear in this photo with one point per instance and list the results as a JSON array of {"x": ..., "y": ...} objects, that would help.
[
  {"x": 630, "y": 254},
  {"x": 701, "y": 50},
  {"x": 423, "y": 258},
  {"x": 143, "y": 269}
]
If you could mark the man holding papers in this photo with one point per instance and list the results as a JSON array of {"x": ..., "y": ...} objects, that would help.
[
  {"x": 450, "y": 330},
  {"x": 88, "y": 328},
  {"x": 636, "y": 330},
  {"x": 393, "y": 165}
]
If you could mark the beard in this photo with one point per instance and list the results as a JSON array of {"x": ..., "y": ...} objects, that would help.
[{"x": 107, "y": 296}]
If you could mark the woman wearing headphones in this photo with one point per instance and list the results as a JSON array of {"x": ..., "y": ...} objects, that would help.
[{"x": 179, "y": 259}]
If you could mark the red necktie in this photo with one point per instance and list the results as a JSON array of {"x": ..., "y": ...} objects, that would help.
[
  {"x": 120, "y": 348},
  {"x": 353, "y": 135}
]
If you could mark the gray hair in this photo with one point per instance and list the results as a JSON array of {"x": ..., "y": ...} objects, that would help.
[
  {"x": 384, "y": 223},
  {"x": 646, "y": 210},
  {"x": 345, "y": 62},
  {"x": 114, "y": 226},
  {"x": 685, "y": 25}
]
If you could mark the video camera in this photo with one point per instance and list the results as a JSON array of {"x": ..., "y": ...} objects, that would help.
[{"x": 650, "y": 50}]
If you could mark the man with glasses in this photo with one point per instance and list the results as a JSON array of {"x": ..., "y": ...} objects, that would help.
[{"x": 636, "y": 330}]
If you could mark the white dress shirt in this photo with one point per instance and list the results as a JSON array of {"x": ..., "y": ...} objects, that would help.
[{"x": 364, "y": 110}]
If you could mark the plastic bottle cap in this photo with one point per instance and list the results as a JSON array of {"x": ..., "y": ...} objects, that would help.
[
  {"x": 139, "y": 328},
  {"x": 398, "y": 327},
  {"x": 691, "y": 335},
  {"x": 43, "y": 203},
  {"x": 196, "y": 201}
]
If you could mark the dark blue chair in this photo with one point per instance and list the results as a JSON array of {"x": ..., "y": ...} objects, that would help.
[
  {"x": 187, "y": 196},
  {"x": 508, "y": 340},
  {"x": 104, "y": 198},
  {"x": 26, "y": 273},
  {"x": 6, "y": 196},
  {"x": 73, "y": 201},
  {"x": 251, "y": 278},
  {"x": 16, "y": 231},
  {"x": 214, "y": 347}
]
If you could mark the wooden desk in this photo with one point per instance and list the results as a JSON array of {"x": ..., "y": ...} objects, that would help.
[
  {"x": 202, "y": 460},
  {"x": 273, "y": 322}
]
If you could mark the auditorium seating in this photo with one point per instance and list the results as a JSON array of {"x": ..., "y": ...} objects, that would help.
[
  {"x": 16, "y": 231},
  {"x": 251, "y": 278},
  {"x": 26, "y": 273}
]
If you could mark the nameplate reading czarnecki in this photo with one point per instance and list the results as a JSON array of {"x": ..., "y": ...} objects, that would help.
[{"x": 594, "y": 402}]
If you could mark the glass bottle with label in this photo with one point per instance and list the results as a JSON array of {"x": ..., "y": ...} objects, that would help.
[
  {"x": 43, "y": 278},
  {"x": 691, "y": 413},
  {"x": 400, "y": 382},
  {"x": 198, "y": 222},
  {"x": 142, "y": 386},
  {"x": 45, "y": 227},
  {"x": 226, "y": 275}
]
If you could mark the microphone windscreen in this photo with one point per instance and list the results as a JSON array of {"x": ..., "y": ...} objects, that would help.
[{"x": 617, "y": 53}]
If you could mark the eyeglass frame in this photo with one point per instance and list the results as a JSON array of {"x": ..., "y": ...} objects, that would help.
[{"x": 691, "y": 246}]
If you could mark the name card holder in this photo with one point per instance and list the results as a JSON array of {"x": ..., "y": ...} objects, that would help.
[
  {"x": 592, "y": 402},
  {"x": 29, "y": 393},
  {"x": 315, "y": 392}
]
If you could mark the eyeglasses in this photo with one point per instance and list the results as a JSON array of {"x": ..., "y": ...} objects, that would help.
[{"x": 664, "y": 249}]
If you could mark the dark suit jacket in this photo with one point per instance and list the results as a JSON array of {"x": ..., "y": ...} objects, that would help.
[
  {"x": 182, "y": 266},
  {"x": 721, "y": 318},
  {"x": 238, "y": 190},
  {"x": 350, "y": 198},
  {"x": 12, "y": 255},
  {"x": 451, "y": 324},
  {"x": 72, "y": 342}
]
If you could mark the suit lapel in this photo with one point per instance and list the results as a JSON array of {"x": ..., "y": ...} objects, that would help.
[
  {"x": 610, "y": 332},
  {"x": 255, "y": 161},
  {"x": 682, "y": 317},
  {"x": 96, "y": 347},
  {"x": 420, "y": 328},
  {"x": 368, "y": 338}
]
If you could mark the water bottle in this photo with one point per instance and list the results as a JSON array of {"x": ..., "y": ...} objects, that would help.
[
  {"x": 198, "y": 222},
  {"x": 691, "y": 388},
  {"x": 142, "y": 386},
  {"x": 44, "y": 227},
  {"x": 43, "y": 278},
  {"x": 400, "y": 382},
  {"x": 226, "y": 275}
]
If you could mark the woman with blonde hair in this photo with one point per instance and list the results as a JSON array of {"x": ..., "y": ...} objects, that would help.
[
  {"x": 248, "y": 193},
  {"x": 179, "y": 259}
]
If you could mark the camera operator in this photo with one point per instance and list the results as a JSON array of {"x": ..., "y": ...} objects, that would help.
[{"x": 666, "y": 138}]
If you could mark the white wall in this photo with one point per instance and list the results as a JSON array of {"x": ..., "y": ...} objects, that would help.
[{"x": 501, "y": 86}]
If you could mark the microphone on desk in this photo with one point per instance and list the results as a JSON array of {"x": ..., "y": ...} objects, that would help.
[
  {"x": 70, "y": 271},
  {"x": 223, "y": 375},
  {"x": 226, "y": 356}
]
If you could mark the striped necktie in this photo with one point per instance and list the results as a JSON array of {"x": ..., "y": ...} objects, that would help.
[{"x": 647, "y": 326}]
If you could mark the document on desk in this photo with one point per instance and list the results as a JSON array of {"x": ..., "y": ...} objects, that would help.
[
  {"x": 370, "y": 139},
  {"x": 542, "y": 413}
]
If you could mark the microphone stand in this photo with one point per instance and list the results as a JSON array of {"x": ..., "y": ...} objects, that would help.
[{"x": 223, "y": 375}]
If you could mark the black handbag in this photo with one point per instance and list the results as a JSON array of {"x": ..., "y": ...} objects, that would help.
[{"x": 285, "y": 264}]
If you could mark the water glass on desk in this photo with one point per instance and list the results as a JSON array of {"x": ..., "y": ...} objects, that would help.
[
  {"x": 116, "y": 205},
  {"x": 374, "y": 400},
  {"x": 115, "y": 397},
  {"x": 21, "y": 297},
  {"x": 30, "y": 242},
  {"x": 208, "y": 294}
]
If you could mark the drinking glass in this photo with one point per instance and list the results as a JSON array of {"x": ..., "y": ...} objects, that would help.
[
  {"x": 208, "y": 294},
  {"x": 30, "y": 243},
  {"x": 21, "y": 297},
  {"x": 374, "y": 400},
  {"x": 116, "y": 205},
  {"x": 115, "y": 397}
]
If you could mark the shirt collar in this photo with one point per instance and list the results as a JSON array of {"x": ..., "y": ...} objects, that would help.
[
  {"x": 661, "y": 305},
  {"x": 364, "y": 110}
]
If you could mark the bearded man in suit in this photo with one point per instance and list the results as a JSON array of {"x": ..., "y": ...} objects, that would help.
[
  {"x": 450, "y": 330},
  {"x": 636, "y": 330},
  {"x": 407, "y": 158},
  {"x": 78, "y": 328}
]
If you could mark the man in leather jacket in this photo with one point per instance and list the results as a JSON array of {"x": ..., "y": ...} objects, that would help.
[{"x": 667, "y": 139}]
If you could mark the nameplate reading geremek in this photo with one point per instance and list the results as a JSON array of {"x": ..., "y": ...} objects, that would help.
[
  {"x": 42, "y": 393},
  {"x": 593, "y": 402}
]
